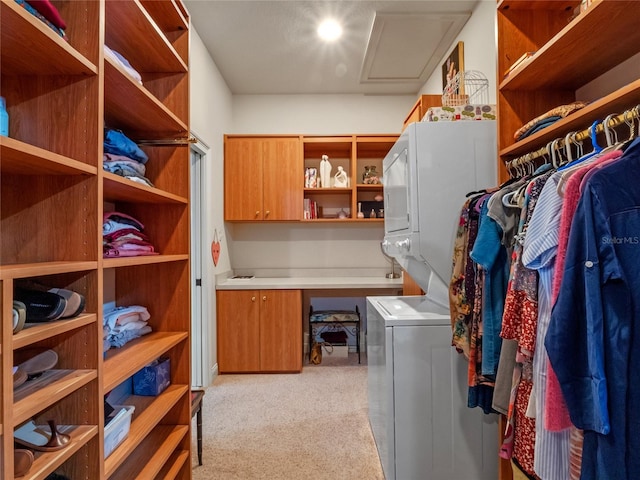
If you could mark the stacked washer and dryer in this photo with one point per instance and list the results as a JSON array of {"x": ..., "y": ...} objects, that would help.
[{"x": 417, "y": 381}]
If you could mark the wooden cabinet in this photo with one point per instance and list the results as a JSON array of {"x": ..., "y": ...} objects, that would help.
[
  {"x": 259, "y": 330},
  {"x": 569, "y": 55},
  {"x": 262, "y": 179},
  {"x": 420, "y": 108},
  {"x": 53, "y": 194},
  {"x": 353, "y": 153}
]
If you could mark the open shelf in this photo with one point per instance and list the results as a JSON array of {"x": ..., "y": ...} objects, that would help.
[
  {"x": 167, "y": 15},
  {"x": 54, "y": 385},
  {"x": 152, "y": 454},
  {"x": 121, "y": 363},
  {"x": 172, "y": 468},
  {"x": 47, "y": 462},
  {"x": 117, "y": 188},
  {"x": 26, "y": 270},
  {"x": 148, "y": 412},
  {"x": 142, "y": 260},
  {"x": 36, "y": 332}
]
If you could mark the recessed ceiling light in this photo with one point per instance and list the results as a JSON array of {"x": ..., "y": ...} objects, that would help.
[{"x": 329, "y": 30}]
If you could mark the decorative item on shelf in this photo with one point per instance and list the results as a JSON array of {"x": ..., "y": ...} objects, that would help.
[
  {"x": 381, "y": 213},
  {"x": 342, "y": 214},
  {"x": 360, "y": 214},
  {"x": 311, "y": 177},
  {"x": 325, "y": 172},
  {"x": 372, "y": 214},
  {"x": 370, "y": 175},
  {"x": 340, "y": 179},
  {"x": 378, "y": 198}
]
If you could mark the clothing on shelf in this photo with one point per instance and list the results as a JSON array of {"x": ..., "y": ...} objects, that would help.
[
  {"x": 560, "y": 364},
  {"x": 123, "y": 63},
  {"x": 47, "y": 13},
  {"x": 123, "y": 236},
  {"x": 123, "y": 324},
  {"x": 547, "y": 118}
]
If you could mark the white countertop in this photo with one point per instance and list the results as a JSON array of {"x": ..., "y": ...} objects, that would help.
[{"x": 310, "y": 283}]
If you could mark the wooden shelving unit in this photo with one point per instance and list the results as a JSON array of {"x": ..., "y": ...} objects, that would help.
[
  {"x": 569, "y": 55},
  {"x": 53, "y": 192}
]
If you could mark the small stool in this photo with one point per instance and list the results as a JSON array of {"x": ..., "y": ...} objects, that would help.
[{"x": 196, "y": 408}]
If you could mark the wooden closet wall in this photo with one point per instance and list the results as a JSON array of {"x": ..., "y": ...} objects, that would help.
[
  {"x": 60, "y": 95},
  {"x": 570, "y": 53}
]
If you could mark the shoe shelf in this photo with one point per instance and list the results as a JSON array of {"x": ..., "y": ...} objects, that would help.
[
  {"x": 46, "y": 462},
  {"x": 152, "y": 453},
  {"x": 172, "y": 468},
  {"x": 147, "y": 414},
  {"x": 42, "y": 331},
  {"x": 19, "y": 158},
  {"x": 47, "y": 52},
  {"x": 27, "y": 270},
  {"x": 51, "y": 387},
  {"x": 122, "y": 363}
]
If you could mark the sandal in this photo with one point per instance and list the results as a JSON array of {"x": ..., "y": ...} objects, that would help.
[
  {"x": 19, "y": 377},
  {"x": 40, "y": 363},
  {"x": 19, "y": 316},
  {"x": 37, "y": 438},
  {"x": 22, "y": 461}
]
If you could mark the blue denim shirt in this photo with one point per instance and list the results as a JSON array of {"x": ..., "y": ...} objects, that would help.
[
  {"x": 489, "y": 252},
  {"x": 593, "y": 339}
]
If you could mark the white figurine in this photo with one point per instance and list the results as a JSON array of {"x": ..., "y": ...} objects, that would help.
[
  {"x": 325, "y": 172},
  {"x": 340, "y": 179}
]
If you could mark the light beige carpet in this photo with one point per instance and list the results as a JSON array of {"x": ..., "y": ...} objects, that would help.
[{"x": 311, "y": 425}]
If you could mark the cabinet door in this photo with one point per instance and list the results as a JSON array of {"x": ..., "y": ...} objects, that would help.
[
  {"x": 243, "y": 179},
  {"x": 238, "y": 331},
  {"x": 283, "y": 179},
  {"x": 280, "y": 330}
]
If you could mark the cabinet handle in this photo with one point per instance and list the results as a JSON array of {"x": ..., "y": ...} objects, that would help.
[
  {"x": 266, "y": 214},
  {"x": 257, "y": 213},
  {"x": 253, "y": 299},
  {"x": 264, "y": 299}
]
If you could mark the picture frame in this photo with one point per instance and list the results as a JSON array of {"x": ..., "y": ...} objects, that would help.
[{"x": 453, "y": 64}]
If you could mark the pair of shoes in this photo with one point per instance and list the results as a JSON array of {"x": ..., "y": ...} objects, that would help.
[
  {"x": 39, "y": 439},
  {"x": 19, "y": 377},
  {"x": 38, "y": 364},
  {"x": 19, "y": 316},
  {"x": 44, "y": 304},
  {"x": 22, "y": 461}
]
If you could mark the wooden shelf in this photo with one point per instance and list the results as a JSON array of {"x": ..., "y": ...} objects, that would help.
[
  {"x": 328, "y": 191},
  {"x": 618, "y": 101},
  {"x": 148, "y": 412},
  {"x": 149, "y": 120},
  {"x": 167, "y": 15},
  {"x": 33, "y": 333},
  {"x": 26, "y": 270},
  {"x": 564, "y": 62},
  {"x": 152, "y": 454},
  {"x": 145, "y": 46},
  {"x": 30, "y": 47},
  {"x": 45, "y": 463},
  {"x": 172, "y": 468},
  {"x": 143, "y": 260},
  {"x": 120, "y": 189},
  {"x": 121, "y": 363},
  {"x": 368, "y": 186},
  {"x": 20, "y": 158},
  {"x": 38, "y": 394}
]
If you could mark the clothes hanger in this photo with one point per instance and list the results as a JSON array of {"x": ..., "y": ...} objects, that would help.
[{"x": 594, "y": 143}]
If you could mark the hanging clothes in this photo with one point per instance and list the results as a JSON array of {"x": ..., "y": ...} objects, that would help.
[{"x": 593, "y": 341}]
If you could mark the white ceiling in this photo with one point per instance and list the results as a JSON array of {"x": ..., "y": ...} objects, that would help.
[{"x": 271, "y": 47}]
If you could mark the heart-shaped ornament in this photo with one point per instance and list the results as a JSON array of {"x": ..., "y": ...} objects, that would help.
[{"x": 215, "y": 248}]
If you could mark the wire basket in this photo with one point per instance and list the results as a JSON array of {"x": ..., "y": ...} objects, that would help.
[{"x": 470, "y": 87}]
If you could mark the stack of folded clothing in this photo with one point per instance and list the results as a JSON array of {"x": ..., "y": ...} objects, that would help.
[
  {"x": 123, "y": 236},
  {"x": 547, "y": 119},
  {"x": 123, "y": 324},
  {"x": 123, "y": 62},
  {"x": 47, "y": 13},
  {"x": 123, "y": 157}
]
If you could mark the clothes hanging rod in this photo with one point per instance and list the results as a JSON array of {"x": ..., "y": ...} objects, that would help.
[{"x": 560, "y": 143}]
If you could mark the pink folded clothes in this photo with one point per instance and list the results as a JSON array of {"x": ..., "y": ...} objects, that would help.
[
  {"x": 125, "y": 233},
  {"x": 111, "y": 252},
  {"x": 48, "y": 11},
  {"x": 133, "y": 246},
  {"x": 112, "y": 317}
]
